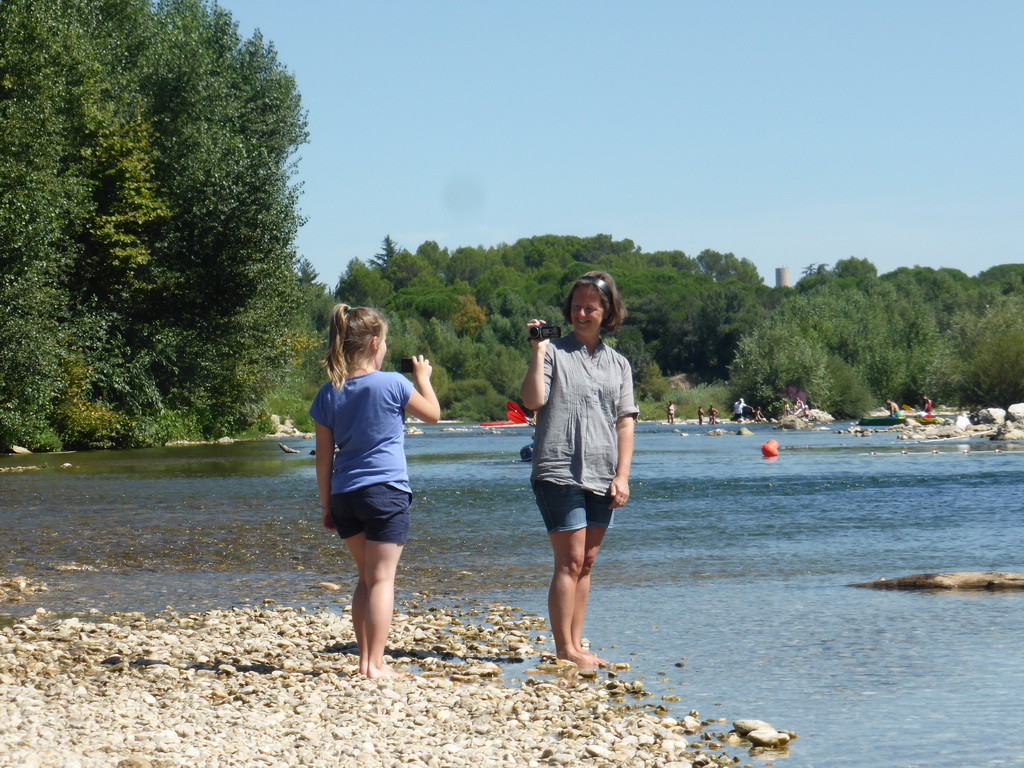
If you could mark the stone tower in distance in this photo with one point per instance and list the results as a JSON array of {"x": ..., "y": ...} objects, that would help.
[{"x": 782, "y": 277}]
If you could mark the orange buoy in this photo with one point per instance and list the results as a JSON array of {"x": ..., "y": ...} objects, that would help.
[{"x": 770, "y": 449}]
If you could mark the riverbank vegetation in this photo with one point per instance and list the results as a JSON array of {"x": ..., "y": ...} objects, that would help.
[
  {"x": 147, "y": 221},
  {"x": 844, "y": 337},
  {"x": 150, "y": 289}
]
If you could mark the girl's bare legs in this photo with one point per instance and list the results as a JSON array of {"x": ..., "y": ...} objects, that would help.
[
  {"x": 575, "y": 552},
  {"x": 373, "y": 602}
]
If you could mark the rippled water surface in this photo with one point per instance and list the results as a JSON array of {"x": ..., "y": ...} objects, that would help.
[{"x": 733, "y": 566}]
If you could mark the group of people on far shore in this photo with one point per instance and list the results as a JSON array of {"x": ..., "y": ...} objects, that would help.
[
  {"x": 582, "y": 392},
  {"x": 739, "y": 408},
  {"x": 798, "y": 408}
]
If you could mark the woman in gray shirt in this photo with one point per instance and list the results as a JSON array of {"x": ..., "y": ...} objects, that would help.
[{"x": 582, "y": 391}]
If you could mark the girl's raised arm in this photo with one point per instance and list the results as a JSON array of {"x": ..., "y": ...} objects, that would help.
[{"x": 423, "y": 402}]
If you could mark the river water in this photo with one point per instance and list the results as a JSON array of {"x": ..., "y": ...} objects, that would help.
[{"x": 723, "y": 582}]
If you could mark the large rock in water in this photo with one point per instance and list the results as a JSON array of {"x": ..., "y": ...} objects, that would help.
[
  {"x": 794, "y": 422},
  {"x": 812, "y": 417},
  {"x": 1009, "y": 431},
  {"x": 819, "y": 417},
  {"x": 991, "y": 416},
  {"x": 963, "y": 580},
  {"x": 1015, "y": 413},
  {"x": 761, "y": 734}
]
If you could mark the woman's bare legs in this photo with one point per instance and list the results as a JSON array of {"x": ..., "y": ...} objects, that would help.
[
  {"x": 373, "y": 602},
  {"x": 575, "y": 552}
]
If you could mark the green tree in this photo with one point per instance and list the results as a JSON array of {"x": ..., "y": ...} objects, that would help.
[
  {"x": 877, "y": 343},
  {"x": 388, "y": 250},
  {"x": 470, "y": 317},
  {"x": 408, "y": 270},
  {"x": 989, "y": 355},
  {"x": 148, "y": 151},
  {"x": 228, "y": 120},
  {"x": 772, "y": 362},
  {"x": 362, "y": 286},
  {"x": 427, "y": 301},
  {"x": 858, "y": 270},
  {"x": 1008, "y": 278},
  {"x": 725, "y": 266}
]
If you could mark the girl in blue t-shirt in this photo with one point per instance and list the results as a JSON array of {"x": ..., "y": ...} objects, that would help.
[{"x": 364, "y": 486}]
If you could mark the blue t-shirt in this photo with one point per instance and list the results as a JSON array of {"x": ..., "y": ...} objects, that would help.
[{"x": 366, "y": 418}]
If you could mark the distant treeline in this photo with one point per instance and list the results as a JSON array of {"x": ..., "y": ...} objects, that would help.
[
  {"x": 844, "y": 337},
  {"x": 149, "y": 287}
]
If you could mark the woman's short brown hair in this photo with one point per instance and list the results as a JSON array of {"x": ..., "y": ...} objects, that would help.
[{"x": 611, "y": 301}]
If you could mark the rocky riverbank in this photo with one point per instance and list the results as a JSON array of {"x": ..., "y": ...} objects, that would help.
[
  {"x": 278, "y": 686},
  {"x": 993, "y": 423}
]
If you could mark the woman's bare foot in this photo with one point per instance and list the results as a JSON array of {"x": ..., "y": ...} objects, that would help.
[
  {"x": 597, "y": 660},
  {"x": 582, "y": 659}
]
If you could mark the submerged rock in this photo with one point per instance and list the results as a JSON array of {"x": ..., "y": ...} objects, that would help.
[{"x": 14, "y": 588}]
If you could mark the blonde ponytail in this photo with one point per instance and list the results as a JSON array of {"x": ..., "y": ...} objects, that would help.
[{"x": 350, "y": 335}]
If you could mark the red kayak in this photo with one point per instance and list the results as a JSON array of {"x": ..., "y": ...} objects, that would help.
[{"x": 515, "y": 415}]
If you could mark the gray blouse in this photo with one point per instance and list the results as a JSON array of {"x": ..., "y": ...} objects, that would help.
[{"x": 576, "y": 442}]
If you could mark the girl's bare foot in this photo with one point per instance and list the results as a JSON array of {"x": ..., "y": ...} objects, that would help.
[{"x": 385, "y": 672}]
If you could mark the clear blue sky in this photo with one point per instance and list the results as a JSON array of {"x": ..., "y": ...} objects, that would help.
[{"x": 788, "y": 133}]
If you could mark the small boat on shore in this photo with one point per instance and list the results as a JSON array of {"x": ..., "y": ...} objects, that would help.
[
  {"x": 892, "y": 421},
  {"x": 881, "y": 421}
]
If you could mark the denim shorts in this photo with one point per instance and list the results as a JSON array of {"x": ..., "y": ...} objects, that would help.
[
  {"x": 569, "y": 507},
  {"x": 379, "y": 511}
]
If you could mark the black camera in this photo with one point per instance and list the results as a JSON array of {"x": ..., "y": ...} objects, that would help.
[
  {"x": 407, "y": 365},
  {"x": 545, "y": 332}
]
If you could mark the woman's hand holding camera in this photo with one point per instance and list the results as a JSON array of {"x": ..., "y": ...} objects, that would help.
[
  {"x": 537, "y": 338},
  {"x": 532, "y": 392}
]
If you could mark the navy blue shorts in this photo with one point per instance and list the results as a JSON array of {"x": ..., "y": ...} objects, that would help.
[
  {"x": 379, "y": 511},
  {"x": 569, "y": 507}
]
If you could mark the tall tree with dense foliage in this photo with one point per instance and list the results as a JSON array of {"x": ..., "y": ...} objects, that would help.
[
  {"x": 147, "y": 220},
  {"x": 37, "y": 198}
]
